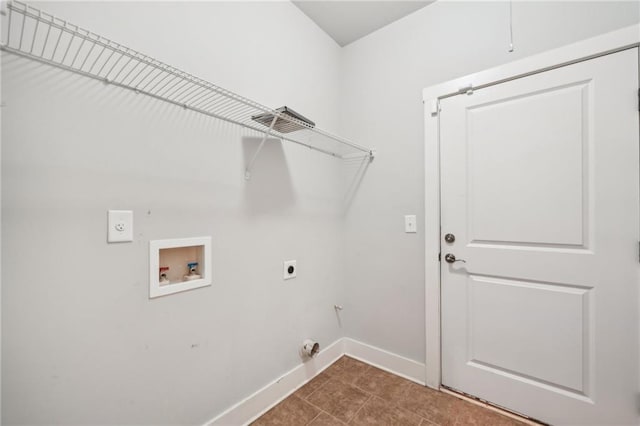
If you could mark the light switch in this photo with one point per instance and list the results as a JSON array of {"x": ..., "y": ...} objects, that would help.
[
  {"x": 410, "y": 223},
  {"x": 120, "y": 226}
]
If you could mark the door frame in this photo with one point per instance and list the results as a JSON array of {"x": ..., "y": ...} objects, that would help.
[{"x": 625, "y": 38}]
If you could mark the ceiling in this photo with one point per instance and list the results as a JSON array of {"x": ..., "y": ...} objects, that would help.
[{"x": 347, "y": 21}]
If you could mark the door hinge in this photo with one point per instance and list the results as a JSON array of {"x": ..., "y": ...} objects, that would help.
[
  {"x": 468, "y": 89},
  {"x": 435, "y": 107}
]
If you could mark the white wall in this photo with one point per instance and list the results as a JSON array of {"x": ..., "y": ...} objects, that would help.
[
  {"x": 383, "y": 77},
  {"x": 82, "y": 343}
]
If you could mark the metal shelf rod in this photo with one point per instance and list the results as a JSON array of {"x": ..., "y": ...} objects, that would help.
[{"x": 126, "y": 68}]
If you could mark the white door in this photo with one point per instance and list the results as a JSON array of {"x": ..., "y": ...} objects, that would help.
[{"x": 540, "y": 187}]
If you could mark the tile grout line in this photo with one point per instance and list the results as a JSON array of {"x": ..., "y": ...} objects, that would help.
[
  {"x": 333, "y": 417},
  {"x": 321, "y": 409},
  {"x": 358, "y": 410},
  {"x": 317, "y": 415},
  {"x": 407, "y": 384},
  {"x": 337, "y": 378},
  {"x": 427, "y": 422},
  {"x": 390, "y": 402},
  {"x": 352, "y": 383},
  {"x": 327, "y": 381},
  {"x": 306, "y": 398},
  {"x": 397, "y": 407},
  {"x": 366, "y": 370}
]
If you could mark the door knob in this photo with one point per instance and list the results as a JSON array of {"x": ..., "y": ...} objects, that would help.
[
  {"x": 449, "y": 238},
  {"x": 450, "y": 258}
]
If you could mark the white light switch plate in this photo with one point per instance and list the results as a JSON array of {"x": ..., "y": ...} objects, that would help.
[
  {"x": 410, "y": 223},
  {"x": 120, "y": 226}
]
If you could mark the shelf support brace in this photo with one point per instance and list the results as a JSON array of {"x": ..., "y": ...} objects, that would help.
[{"x": 247, "y": 171}]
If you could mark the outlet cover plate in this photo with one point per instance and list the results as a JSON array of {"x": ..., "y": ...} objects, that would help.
[
  {"x": 410, "y": 225},
  {"x": 120, "y": 226},
  {"x": 285, "y": 270}
]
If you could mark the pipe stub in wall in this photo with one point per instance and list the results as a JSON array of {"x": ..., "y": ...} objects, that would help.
[{"x": 310, "y": 348}]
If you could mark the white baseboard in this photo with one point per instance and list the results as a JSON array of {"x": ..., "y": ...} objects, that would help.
[
  {"x": 396, "y": 364},
  {"x": 252, "y": 407}
]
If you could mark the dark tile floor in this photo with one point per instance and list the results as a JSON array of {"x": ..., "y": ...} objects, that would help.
[{"x": 352, "y": 392}]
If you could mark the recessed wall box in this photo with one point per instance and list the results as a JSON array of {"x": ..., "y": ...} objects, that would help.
[{"x": 177, "y": 259}]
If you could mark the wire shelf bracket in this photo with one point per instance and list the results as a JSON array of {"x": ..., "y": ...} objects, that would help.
[
  {"x": 247, "y": 172},
  {"x": 32, "y": 33}
]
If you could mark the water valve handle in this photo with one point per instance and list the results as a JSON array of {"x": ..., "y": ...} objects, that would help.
[
  {"x": 192, "y": 266},
  {"x": 163, "y": 280},
  {"x": 193, "y": 273}
]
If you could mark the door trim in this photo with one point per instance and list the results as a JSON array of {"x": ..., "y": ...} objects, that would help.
[{"x": 626, "y": 38}]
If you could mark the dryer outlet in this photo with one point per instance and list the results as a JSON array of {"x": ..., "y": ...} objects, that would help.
[{"x": 290, "y": 269}]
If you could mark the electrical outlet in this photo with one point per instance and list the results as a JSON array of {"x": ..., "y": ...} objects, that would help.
[
  {"x": 120, "y": 226},
  {"x": 289, "y": 269}
]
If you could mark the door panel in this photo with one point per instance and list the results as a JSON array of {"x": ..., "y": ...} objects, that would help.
[
  {"x": 513, "y": 178},
  {"x": 540, "y": 186},
  {"x": 500, "y": 309}
]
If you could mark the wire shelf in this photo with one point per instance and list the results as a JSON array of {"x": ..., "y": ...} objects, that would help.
[{"x": 37, "y": 35}]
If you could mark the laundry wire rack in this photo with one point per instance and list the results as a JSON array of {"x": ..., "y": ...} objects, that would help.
[{"x": 32, "y": 33}]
